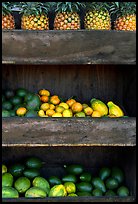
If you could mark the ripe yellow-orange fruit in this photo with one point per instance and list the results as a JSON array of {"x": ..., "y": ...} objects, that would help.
[
  {"x": 44, "y": 98},
  {"x": 70, "y": 102},
  {"x": 55, "y": 100},
  {"x": 96, "y": 114},
  {"x": 57, "y": 115},
  {"x": 76, "y": 107},
  {"x": 50, "y": 112},
  {"x": 21, "y": 111},
  {"x": 44, "y": 92},
  {"x": 45, "y": 106},
  {"x": 88, "y": 110},
  {"x": 67, "y": 113}
]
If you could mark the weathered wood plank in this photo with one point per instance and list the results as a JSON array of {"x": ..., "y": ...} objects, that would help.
[
  {"x": 75, "y": 199},
  {"x": 69, "y": 47},
  {"x": 68, "y": 132}
]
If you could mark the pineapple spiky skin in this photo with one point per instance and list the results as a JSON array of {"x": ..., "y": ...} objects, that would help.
[
  {"x": 32, "y": 22},
  {"x": 127, "y": 23},
  {"x": 125, "y": 15},
  {"x": 67, "y": 16},
  {"x": 67, "y": 21},
  {"x": 8, "y": 21},
  {"x": 35, "y": 16},
  {"x": 97, "y": 16}
]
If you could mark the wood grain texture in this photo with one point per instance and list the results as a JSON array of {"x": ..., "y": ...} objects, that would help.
[
  {"x": 68, "y": 132},
  {"x": 69, "y": 47}
]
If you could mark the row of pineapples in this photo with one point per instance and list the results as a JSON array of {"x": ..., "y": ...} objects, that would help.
[{"x": 98, "y": 15}]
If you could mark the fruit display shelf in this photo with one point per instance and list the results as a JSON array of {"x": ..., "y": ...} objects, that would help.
[
  {"x": 69, "y": 132},
  {"x": 91, "y": 158},
  {"x": 68, "y": 47}
]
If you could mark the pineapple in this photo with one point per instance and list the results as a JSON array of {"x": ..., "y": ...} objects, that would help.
[
  {"x": 67, "y": 17},
  {"x": 7, "y": 18},
  {"x": 97, "y": 16},
  {"x": 125, "y": 15},
  {"x": 35, "y": 15}
]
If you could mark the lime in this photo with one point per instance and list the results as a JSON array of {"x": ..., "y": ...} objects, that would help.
[
  {"x": 54, "y": 180},
  {"x": 123, "y": 191},
  {"x": 97, "y": 192},
  {"x": 85, "y": 176},
  {"x": 104, "y": 173},
  {"x": 31, "y": 173},
  {"x": 9, "y": 192},
  {"x": 41, "y": 183},
  {"x": 7, "y": 179},
  {"x": 34, "y": 162},
  {"x": 17, "y": 169},
  {"x": 22, "y": 184}
]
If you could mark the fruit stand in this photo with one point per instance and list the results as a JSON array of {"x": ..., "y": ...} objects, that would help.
[{"x": 82, "y": 63}]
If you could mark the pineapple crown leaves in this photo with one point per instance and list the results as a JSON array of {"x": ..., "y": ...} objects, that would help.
[
  {"x": 35, "y": 8},
  {"x": 68, "y": 6},
  {"x": 6, "y": 8},
  {"x": 122, "y": 8},
  {"x": 99, "y": 6}
]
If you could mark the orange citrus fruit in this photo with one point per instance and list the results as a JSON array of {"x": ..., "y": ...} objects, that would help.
[{"x": 21, "y": 111}]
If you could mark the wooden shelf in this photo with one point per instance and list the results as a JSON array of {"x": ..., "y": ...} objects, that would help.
[
  {"x": 68, "y": 47},
  {"x": 75, "y": 199},
  {"x": 68, "y": 132}
]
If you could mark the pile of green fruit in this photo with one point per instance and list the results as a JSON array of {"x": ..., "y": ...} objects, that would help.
[{"x": 25, "y": 180}]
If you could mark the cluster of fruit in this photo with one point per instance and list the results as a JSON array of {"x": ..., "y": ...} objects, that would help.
[
  {"x": 98, "y": 15},
  {"x": 24, "y": 103},
  {"x": 25, "y": 180}
]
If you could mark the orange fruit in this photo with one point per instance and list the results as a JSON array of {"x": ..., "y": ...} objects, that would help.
[
  {"x": 55, "y": 100},
  {"x": 76, "y": 107},
  {"x": 50, "y": 112},
  {"x": 21, "y": 111},
  {"x": 44, "y": 92},
  {"x": 70, "y": 102},
  {"x": 44, "y": 98}
]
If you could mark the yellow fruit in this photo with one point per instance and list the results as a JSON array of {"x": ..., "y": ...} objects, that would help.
[
  {"x": 44, "y": 92},
  {"x": 96, "y": 114},
  {"x": 114, "y": 109},
  {"x": 64, "y": 105},
  {"x": 76, "y": 107},
  {"x": 45, "y": 106},
  {"x": 67, "y": 113},
  {"x": 57, "y": 115},
  {"x": 88, "y": 110},
  {"x": 59, "y": 109},
  {"x": 98, "y": 105},
  {"x": 21, "y": 111},
  {"x": 50, "y": 112},
  {"x": 52, "y": 106},
  {"x": 44, "y": 99},
  {"x": 70, "y": 102},
  {"x": 41, "y": 113},
  {"x": 8, "y": 22}
]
